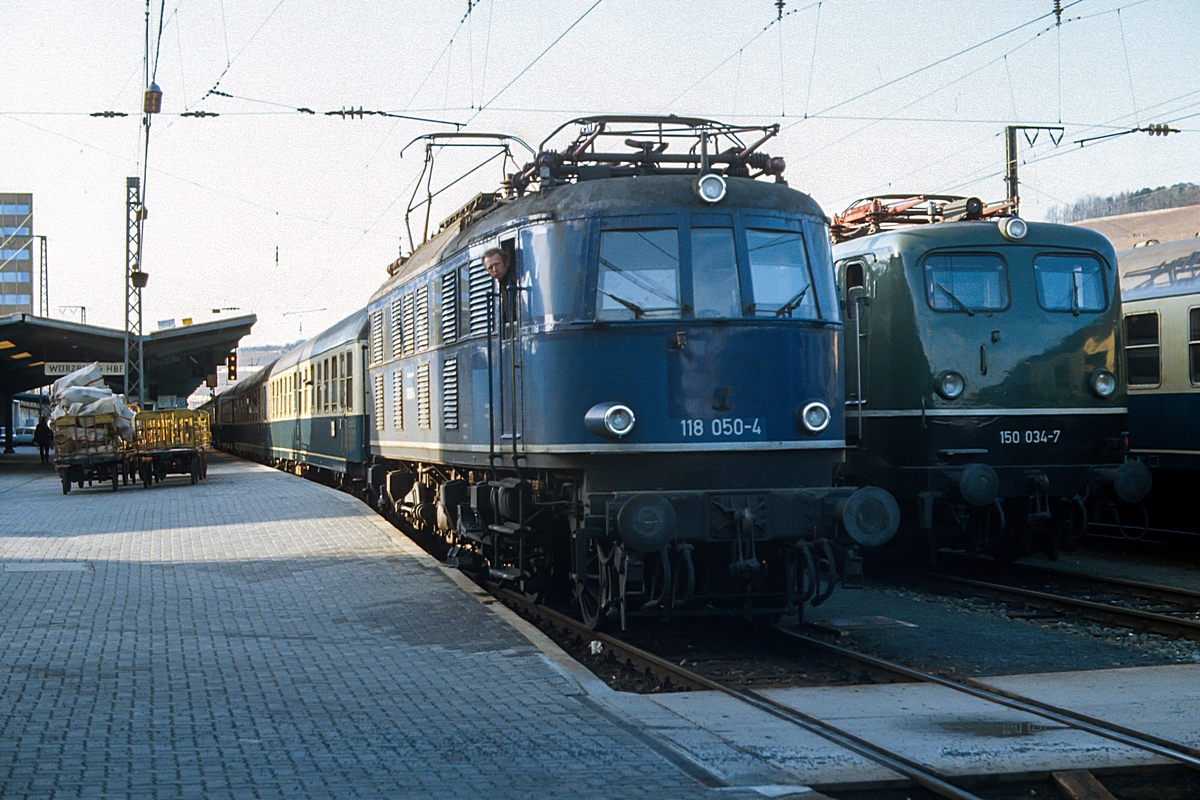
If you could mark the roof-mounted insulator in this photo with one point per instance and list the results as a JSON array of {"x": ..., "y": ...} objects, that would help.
[{"x": 152, "y": 102}]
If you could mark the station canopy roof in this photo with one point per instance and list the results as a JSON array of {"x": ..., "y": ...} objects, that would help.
[{"x": 176, "y": 360}]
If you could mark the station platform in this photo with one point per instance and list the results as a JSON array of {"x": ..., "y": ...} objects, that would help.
[{"x": 259, "y": 635}]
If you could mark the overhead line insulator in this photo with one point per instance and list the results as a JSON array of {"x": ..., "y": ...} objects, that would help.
[{"x": 107, "y": 114}]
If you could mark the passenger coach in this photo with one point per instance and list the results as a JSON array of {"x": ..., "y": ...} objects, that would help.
[{"x": 1161, "y": 288}]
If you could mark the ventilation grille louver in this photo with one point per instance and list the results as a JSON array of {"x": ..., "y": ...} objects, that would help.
[{"x": 424, "y": 419}]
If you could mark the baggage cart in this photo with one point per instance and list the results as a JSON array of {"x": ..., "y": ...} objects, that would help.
[
  {"x": 172, "y": 442},
  {"x": 88, "y": 450}
]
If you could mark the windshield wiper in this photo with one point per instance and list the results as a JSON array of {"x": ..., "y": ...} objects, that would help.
[
  {"x": 957, "y": 302},
  {"x": 638, "y": 311},
  {"x": 791, "y": 305}
]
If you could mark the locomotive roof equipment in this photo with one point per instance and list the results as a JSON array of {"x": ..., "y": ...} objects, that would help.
[
  {"x": 702, "y": 147},
  {"x": 888, "y": 211}
]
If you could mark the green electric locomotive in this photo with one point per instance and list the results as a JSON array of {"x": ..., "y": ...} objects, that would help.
[{"x": 984, "y": 384}]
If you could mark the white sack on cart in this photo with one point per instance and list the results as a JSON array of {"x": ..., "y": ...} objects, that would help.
[
  {"x": 88, "y": 395},
  {"x": 113, "y": 404},
  {"x": 88, "y": 376}
]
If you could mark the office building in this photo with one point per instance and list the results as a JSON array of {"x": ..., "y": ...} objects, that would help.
[{"x": 16, "y": 253}]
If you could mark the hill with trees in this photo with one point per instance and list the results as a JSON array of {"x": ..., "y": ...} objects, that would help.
[{"x": 1090, "y": 207}]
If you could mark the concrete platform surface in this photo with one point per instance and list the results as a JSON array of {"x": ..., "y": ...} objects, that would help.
[{"x": 258, "y": 635}]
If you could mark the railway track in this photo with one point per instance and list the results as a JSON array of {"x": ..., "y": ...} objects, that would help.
[
  {"x": 1177, "y": 624},
  {"x": 671, "y": 674}
]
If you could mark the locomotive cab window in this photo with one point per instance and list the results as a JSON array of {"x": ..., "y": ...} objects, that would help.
[
  {"x": 1194, "y": 345},
  {"x": 715, "y": 289},
  {"x": 639, "y": 275},
  {"x": 1141, "y": 348},
  {"x": 966, "y": 282},
  {"x": 855, "y": 278},
  {"x": 780, "y": 274},
  {"x": 1072, "y": 283}
]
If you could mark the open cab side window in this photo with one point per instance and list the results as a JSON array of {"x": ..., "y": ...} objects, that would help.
[{"x": 852, "y": 277}]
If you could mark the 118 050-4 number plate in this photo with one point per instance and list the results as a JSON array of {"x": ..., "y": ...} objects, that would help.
[{"x": 729, "y": 426}]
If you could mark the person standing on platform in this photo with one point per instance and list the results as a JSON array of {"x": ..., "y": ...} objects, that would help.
[{"x": 43, "y": 437}]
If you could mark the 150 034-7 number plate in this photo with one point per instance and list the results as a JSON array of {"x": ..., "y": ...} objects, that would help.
[
  {"x": 728, "y": 426},
  {"x": 1029, "y": 437}
]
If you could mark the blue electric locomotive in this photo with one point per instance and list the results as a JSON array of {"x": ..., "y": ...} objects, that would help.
[{"x": 649, "y": 408}]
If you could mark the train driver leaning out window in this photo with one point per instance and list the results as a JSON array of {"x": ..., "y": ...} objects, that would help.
[
  {"x": 495, "y": 261},
  {"x": 496, "y": 264}
]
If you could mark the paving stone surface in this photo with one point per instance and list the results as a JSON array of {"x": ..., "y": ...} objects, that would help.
[{"x": 260, "y": 636}]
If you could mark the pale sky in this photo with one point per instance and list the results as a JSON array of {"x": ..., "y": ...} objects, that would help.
[{"x": 873, "y": 97}]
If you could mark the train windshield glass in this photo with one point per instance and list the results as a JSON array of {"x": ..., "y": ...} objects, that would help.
[
  {"x": 714, "y": 274},
  {"x": 780, "y": 275},
  {"x": 1070, "y": 283},
  {"x": 966, "y": 282},
  {"x": 639, "y": 274}
]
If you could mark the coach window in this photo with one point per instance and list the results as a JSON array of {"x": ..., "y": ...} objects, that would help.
[
  {"x": 639, "y": 274},
  {"x": 966, "y": 282},
  {"x": 1141, "y": 348},
  {"x": 1194, "y": 345},
  {"x": 780, "y": 274},
  {"x": 1072, "y": 283}
]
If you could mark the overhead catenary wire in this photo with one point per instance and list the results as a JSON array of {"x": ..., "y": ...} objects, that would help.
[
  {"x": 230, "y": 61},
  {"x": 731, "y": 56},
  {"x": 812, "y": 64},
  {"x": 536, "y": 59},
  {"x": 932, "y": 64},
  {"x": 892, "y": 118},
  {"x": 1128, "y": 71}
]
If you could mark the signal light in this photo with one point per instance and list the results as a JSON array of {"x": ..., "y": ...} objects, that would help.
[{"x": 232, "y": 368}]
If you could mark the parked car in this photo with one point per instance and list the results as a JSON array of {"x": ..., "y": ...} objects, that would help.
[{"x": 20, "y": 435}]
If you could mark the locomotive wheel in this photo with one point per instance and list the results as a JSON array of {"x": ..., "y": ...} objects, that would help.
[
  {"x": 66, "y": 480},
  {"x": 116, "y": 476},
  {"x": 596, "y": 594},
  {"x": 195, "y": 472}
]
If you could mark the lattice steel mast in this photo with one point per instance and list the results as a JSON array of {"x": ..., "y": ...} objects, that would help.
[{"x": 135, "y": 280}]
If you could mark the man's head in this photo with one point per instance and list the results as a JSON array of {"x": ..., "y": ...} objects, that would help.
[{"x": 496, "y": 263}]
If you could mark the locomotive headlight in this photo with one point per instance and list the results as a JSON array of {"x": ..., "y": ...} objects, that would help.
[
  {"x": 1103, "y": 383},
  {"x": 949, "y": 384},
  {"x": 815, "y": 416},
  {"x": 610, "y": 420},
  {"x": 710, "y": 188},
  {"x": 1013, "y": 228}
]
